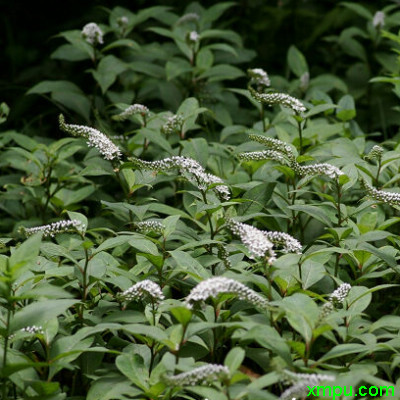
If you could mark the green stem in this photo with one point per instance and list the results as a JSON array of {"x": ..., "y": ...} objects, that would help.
[
  {"x": 4, "y": 389},
  {"x": 85, "y": 278},
  {"x": 300, "y": 136},
  {"x": 338, "y": 204},
  {"x": 212, "y": 233},
  {"x": 263, "y": 117},
  {"x": 378, "y": 172}
]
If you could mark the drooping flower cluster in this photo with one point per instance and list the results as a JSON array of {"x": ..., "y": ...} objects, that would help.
[
  {"x": 260, "y": 243},
  {"x": 215, "y": 286},
  {"x": 33, "y": 330},
  {"x": 283, "y": 99},
  {"x": 375, "y": 153},
  {"x": 282, "y": 151},
  {"x": 94, "y": 138},
  {"x": 254, "y": 239},
  {"x": 339, "y": 295},
  {"x": 317, "y": 169},
  {"x": 379, "y": 20},
  {"x": 202, "y": 179},
  {"x": 262, "y": 155},
  {"x": 141, "y": 290},
  {"x": 289, "y": 243},
  {"x": 391, "y": 198},
  {"x": 201, "y": 375},
  {"x": 173, "y": 125},
  {"x": 55, "y": 227},
  {"x": 275, "y": 144},
  {"x": 150, "y": 226},
  {"x": 301, "y": 384},
  {"x": 223, "y": 254},
  {"x": 259, "y": 78},
  {"x": 92, "y": 33},
  {"x": 132, "y": 110},
  {"x": 336, "y": 299}
]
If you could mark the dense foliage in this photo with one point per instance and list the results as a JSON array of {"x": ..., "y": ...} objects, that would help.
[{"x": 196, "y": 228}]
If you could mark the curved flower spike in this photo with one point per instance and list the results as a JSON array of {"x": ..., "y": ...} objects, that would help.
[
  {"x": 94, "y": 138},
  {"x": 301, "y": 384},
  {"x": 215, "y": 286},
  {"x": 254, "y": 239},
  {"x": 132, "y": 110},
  {"x": 202, "y": 179},
  {"x": 391, "y": 198},
  {"x": 279, "y": 98},
  {"x": 55, "y": 227},
  {"x": 205, "y": 374}
]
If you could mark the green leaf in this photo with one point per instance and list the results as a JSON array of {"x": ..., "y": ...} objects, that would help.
[
  {"x": 342, "y": 350},
  {"x": 143, "y": 245},
  {"x": 112, "y": 388},
  {"x": 190, "y": 265},
  {"x": 107, "y": 71},
  {"x": 54, "y": 86},
  {"x": 346, "y": 108},
  {"x": 204, "y": 59},
  {"x": 177, "y": 67},
  {"x": 132, "y": 366},
  {"x": 40, "y": 312},
  {"x": 24, "y": 254},
  {"x": 182, "y": 314},
  {"x": 358, "y": 9},
  {"x": 296, "y": 61},
  {"x": 234, "y": 359},
  {"x": 311, "y": 273},
  {"x": 122, "y": 43},
  {"x": 69, "y": 52},
  {"x": 221, "y": 72}
]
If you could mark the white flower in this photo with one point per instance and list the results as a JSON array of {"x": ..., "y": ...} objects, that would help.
[
  {"x": 172, "y": 125},
  {"x": 193, "y": 37},
  {"x": 380, "y": 195},
  {"x": 289, "y": 243},
  {"x": 205, "y": 374},
  {"x": 274, "y": 144},
  {"x": 326, "y": 309},
  {"x": 339, "y": 295},
  {"x": 279, "y": 98},
  {"x": 302, "y": 384},
  {"x": 132, "y": 110},
  {"x": 150, "y": 226},
  {"x": 185, "y": 164},
  {"x": 214, "y": 286},
  {"x": 262, "y": 155},
  {"x": 122, "y": 20},
  {"x": 379, "y": 19},
  {"x": 317, "y": 169},
  {"x": 259, "y": 77},
  {"x": 376, "y": 152},
  {"x": 142, "y": 289},
  {"x": 223, "y": 254},
  {"x": 254, "y": 239},
  {"x": 33, "y": 330},
  {"x": 92, "y": 34},
  {"x": 55, "y": 227},
  {"x": 94, "y": 138}
]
